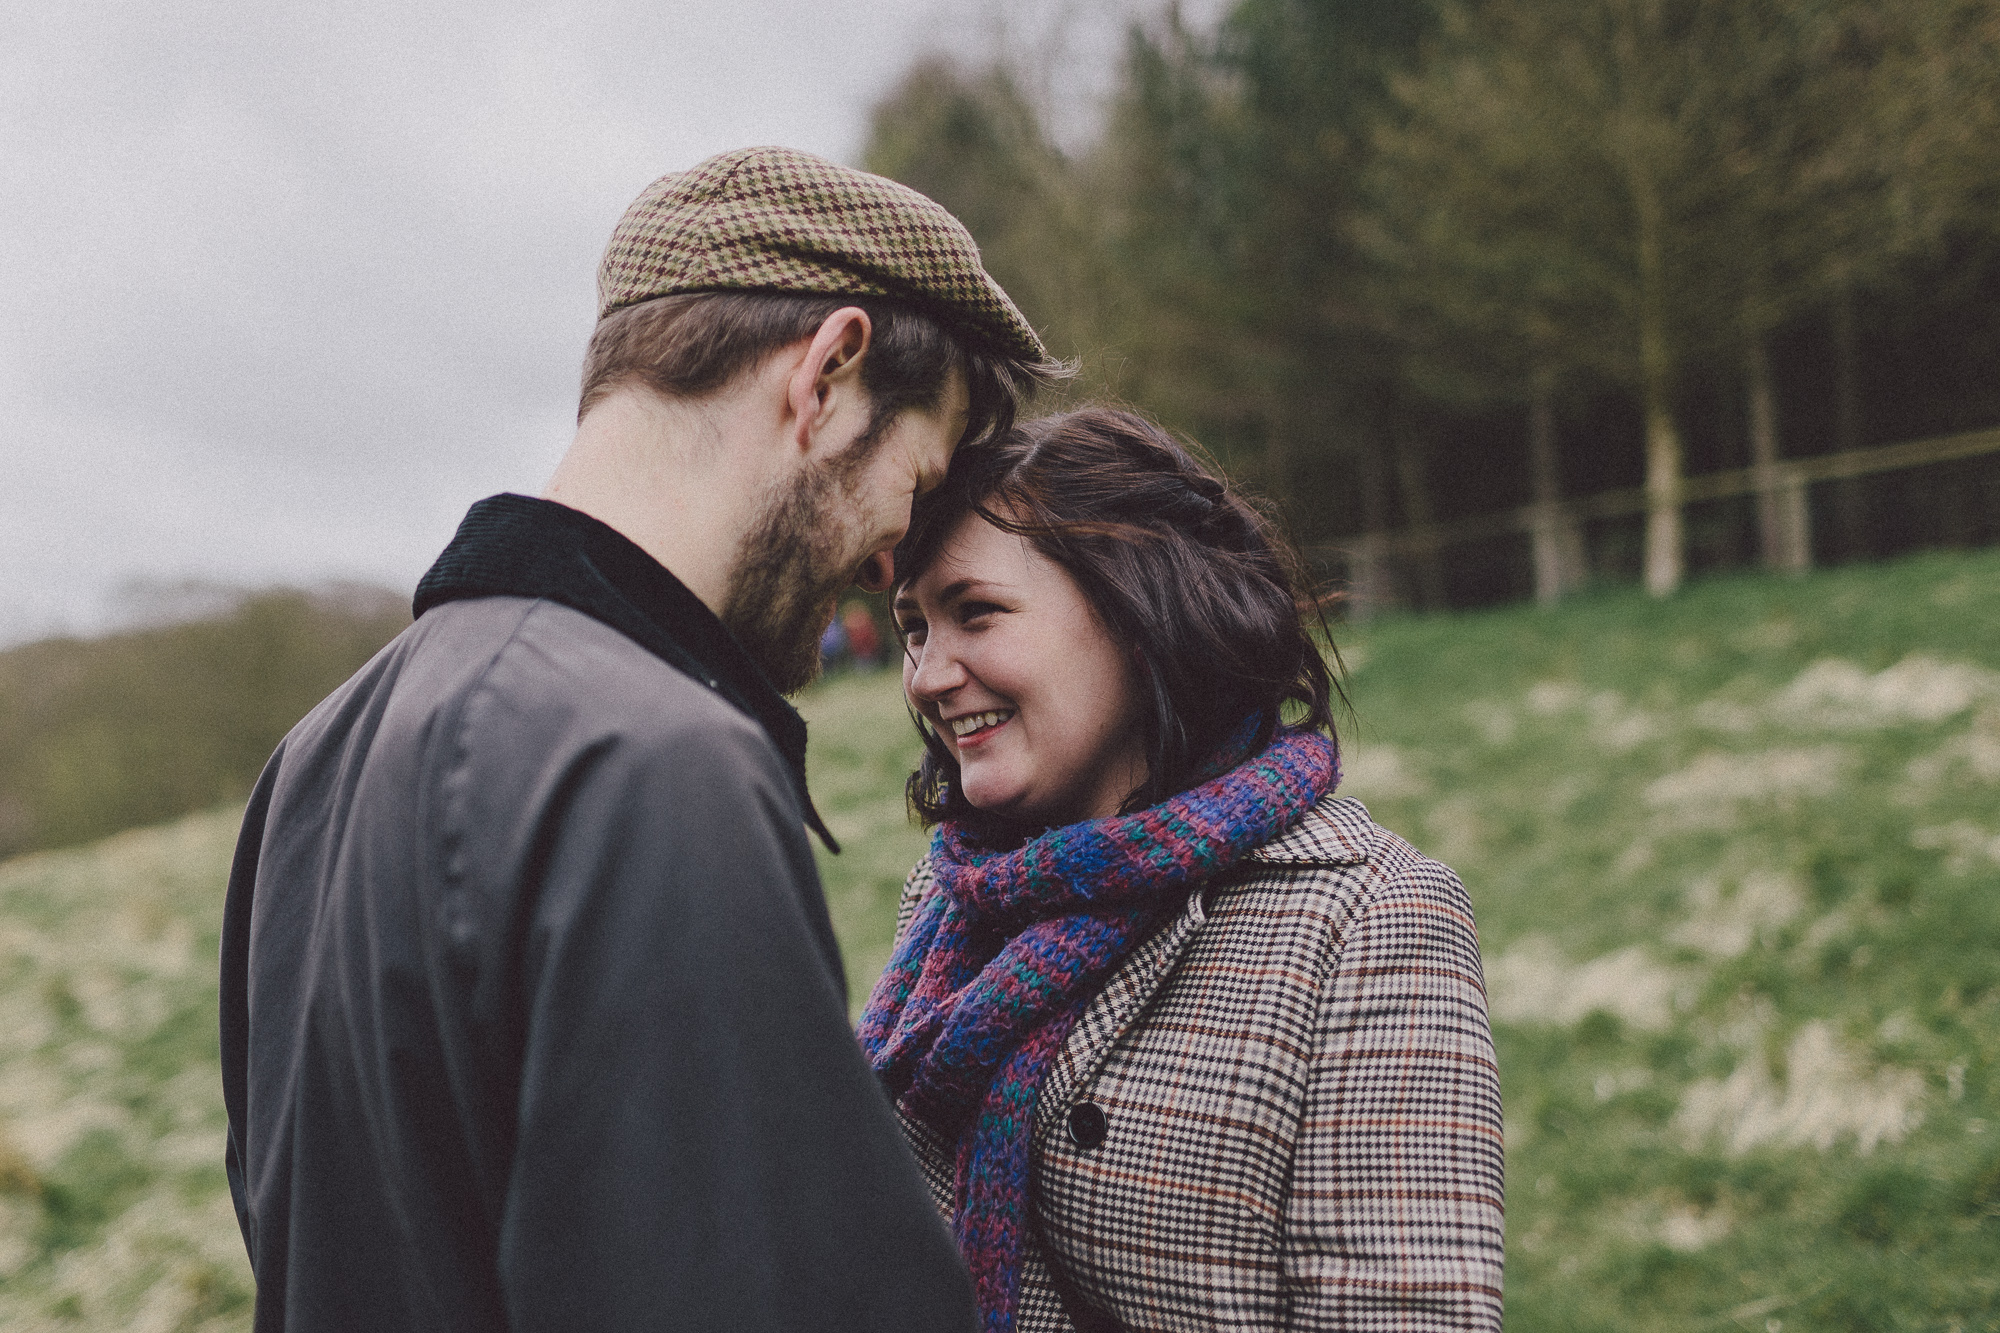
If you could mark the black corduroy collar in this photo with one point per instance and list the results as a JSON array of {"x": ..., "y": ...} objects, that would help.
[{"x": 517, "y": 546}]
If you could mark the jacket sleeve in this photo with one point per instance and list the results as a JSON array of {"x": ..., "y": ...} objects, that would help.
[
  {"x": 1394, "y": 1219},
  {"x": 699, "y": 1141}
]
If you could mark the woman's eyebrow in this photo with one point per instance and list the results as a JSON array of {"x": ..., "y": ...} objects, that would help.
[
  {"x": 952, "y": 592},
  {"x": 947, "y": 595}
]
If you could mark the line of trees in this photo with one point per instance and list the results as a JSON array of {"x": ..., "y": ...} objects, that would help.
[{"x": 1340, "y": 240}]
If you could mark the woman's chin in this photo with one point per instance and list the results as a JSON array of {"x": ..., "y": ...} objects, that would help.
[
  {"x": 1002, "y": 801},
  {"x": 1020, "y": 810},
  {"x": 1000, "y": 806}
]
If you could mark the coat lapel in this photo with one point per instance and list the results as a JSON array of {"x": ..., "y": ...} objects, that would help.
[
  {"x": 1112, "y": 1011},
  {"x": 1337, "y": 831}
]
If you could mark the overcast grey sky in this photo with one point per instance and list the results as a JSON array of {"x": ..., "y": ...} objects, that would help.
[{"x": 284, "y": 287}]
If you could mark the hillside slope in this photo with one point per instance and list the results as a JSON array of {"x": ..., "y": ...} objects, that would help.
[
  {"x": 1736, "y": 859},
  {"x": 98, "y": 735}
]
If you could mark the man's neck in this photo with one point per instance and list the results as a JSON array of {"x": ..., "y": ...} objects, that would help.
[{"x": 666, "y": 476}]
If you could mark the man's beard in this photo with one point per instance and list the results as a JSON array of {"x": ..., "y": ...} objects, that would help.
[{"x": 789, "y": 576}]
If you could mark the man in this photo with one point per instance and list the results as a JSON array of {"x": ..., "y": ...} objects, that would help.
[{"x": 532, "y": 1016}]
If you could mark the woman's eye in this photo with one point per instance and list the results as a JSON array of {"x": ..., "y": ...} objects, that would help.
[
  {"x": 912, "y": 631},
  {"x": 971, "y": 611}
]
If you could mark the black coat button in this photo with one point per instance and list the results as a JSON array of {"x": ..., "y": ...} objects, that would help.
[{"x": 1087, "y": 1125}]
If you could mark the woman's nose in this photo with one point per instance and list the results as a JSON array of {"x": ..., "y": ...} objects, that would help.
[{"x": 933, "y": 671}]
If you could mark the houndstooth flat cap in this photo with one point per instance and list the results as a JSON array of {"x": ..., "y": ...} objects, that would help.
[{"x": 778, "y": 220}]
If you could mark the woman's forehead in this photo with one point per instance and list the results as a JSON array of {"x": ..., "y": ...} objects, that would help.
[{"x": 975, "y": 553}]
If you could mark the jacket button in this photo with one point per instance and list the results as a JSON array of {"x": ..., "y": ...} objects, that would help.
[{"x": 1087, "y": 1125}]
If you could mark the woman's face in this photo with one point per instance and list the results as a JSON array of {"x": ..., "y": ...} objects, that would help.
[{"x": 1008, "y": 661}]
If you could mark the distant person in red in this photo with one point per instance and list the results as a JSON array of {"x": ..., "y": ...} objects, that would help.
[
  {"x": 864, "y": 640},
  {"x": 532, "y": 1015}
]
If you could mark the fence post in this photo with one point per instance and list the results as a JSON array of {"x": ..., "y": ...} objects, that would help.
[
  {"x": 1782, "y": 521},
  {"x": 1794, "y": 521},
  {"x": 1558, "y": 544},
  {"x": 1370, "y": 585}
]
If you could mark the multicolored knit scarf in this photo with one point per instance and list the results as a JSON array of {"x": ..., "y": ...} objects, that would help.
[{"x": 1004, "y": 955}]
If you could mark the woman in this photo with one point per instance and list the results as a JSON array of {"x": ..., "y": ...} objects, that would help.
[{"x": 1182, "y": 1040}]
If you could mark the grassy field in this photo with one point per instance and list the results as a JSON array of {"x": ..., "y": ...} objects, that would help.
[
  {"x": 861, "y": 749},
  {"x": 1736, "y": 859},
  {"x": 114, "y": 1211}
]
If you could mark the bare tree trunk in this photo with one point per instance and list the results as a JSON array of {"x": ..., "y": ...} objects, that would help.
[
  {"x": 1850, "y": 501},
  {"x": 1665, "y": 539},
  {"x": 1558, "y": 544},
  {"x": 1413, "y": 480},
  {"x": 1782, "y": 521},
  {"x": 1666, "y": 543}
]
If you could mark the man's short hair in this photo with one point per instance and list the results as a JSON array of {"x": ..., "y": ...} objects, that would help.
[{"x": 689, "y": 345}]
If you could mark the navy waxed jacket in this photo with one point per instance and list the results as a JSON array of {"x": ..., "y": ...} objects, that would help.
[{"x": 532, "y": 1015}]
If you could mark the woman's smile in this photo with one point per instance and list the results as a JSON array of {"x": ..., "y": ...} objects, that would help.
[{"x": 978, "y": 728}]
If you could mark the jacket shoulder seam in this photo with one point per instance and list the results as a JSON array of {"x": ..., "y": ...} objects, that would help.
[{"x": 447, "y": 740}]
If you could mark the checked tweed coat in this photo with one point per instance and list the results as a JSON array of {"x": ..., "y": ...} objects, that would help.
[{"x": 1300, "y": 1108}]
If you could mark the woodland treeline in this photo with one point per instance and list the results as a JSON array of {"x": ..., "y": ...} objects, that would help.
[{"x": 1397, "y": 261}]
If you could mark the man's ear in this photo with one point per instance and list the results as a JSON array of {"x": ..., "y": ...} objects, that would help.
[{"x": 829, "y": 376}]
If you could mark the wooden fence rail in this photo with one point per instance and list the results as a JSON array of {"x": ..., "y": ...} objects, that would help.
[{"x": 1789, "y": 475}]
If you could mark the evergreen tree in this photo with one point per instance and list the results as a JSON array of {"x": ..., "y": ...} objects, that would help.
[
  {"x": 1317, "y": 236},
  {"x": 973, "y": 142}
]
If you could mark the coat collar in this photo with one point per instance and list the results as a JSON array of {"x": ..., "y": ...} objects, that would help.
[
  {"x": 1336, "y": 832},
  {"x": 516, "y": 546}
]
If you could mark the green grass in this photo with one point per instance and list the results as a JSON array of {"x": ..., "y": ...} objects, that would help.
[
  {"x": 114, "y": 1210},
  {"x": 861, "y": 749},
  {"x": 1736, "y": 859}
]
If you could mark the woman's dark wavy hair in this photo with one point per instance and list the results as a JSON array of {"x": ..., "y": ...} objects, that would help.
[{"x": 1175, "y": 562}]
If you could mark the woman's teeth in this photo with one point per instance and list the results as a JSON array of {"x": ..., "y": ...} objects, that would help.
[{"x": 971, "y": 722}]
